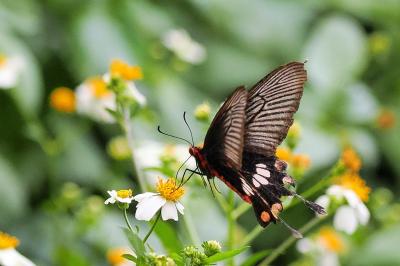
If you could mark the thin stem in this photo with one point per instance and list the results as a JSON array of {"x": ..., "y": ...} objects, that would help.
[
  {"x": 252, "y": 235},
  {"x": 231, "y": 225},
  {"x": 290, "y": 240},
  {"x": 152, "y": 227},
  {"x": 244, "y": 207},
  {"x": 129, "y": 136},
  {"x": 127, "y": 220}
]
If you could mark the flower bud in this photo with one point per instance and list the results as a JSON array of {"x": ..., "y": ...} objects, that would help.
[
  {"x": 211, "y": 247},
  {"x": 202, "y": 112}
]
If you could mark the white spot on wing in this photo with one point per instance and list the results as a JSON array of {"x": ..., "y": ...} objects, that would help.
[
  {"x": 255, "y": 183},
  {"x": 261, "y": 165},
  {"x": 263, "y": 172},
  {"x": 261, "y": 179},
  {"x": 246, "y": 188}
]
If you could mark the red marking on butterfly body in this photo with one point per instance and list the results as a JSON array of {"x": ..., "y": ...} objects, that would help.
[{"x": 210, "y": 172}]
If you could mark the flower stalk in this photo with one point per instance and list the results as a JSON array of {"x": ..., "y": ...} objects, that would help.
[{"x": 152, "y": 227}]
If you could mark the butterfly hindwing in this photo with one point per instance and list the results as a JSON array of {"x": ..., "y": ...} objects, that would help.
[
  {"x": 270, "y": 107},
  {"x": 268, "y": 179}
]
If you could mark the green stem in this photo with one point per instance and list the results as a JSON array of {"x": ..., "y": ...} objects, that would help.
[
  {"x": 152, "y": 227},
  {"x": 231, "y": 225},
  {"x": 127, "y": 220},
  {"x": 244, "y": 207},
  {"x": 129, "y": 136},
  {"x": 252, "y": 235},
  {"x": 290, "y": 240}
]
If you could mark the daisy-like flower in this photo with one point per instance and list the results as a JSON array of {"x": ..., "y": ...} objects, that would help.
[
  {"x": 351, "y": 190},
  {"x": 62, "y": 99},
  {"x": 9, "y": 256},
  {"x": 121, "y": 196},
  {"x": 93, "y": 98},
  {"x": 351, "y": 160},
  {"x": 180, "y": 42},
  {"x": 126, "y": 73},
  {"x": 10, "y": 71},
  {"x": 166, "y": 199},
  {"x": 325, "y": 247}
]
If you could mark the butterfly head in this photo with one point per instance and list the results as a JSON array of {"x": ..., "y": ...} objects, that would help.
[{"x": 195, "y": 151}]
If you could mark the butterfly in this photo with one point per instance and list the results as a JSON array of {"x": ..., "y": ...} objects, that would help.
[{"x": 240, "y": 145}]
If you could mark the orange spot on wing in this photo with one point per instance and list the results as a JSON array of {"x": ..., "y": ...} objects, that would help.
[{"x": 265, "y": 217}]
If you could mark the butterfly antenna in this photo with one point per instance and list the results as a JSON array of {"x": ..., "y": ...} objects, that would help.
[
  {"x": 172, "y": 136},
  {"x": 180, "y": 167},
  {"x": 212, "y": 190},
  {"x": 187, "y": 124},
  {"x": 295, "y": 233}
]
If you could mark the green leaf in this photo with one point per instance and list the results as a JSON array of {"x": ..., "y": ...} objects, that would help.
[
  {"x": 225, "y": 255},
  {"x": 168, "y": 237},
  {"x": 253, "y": 259},
  {"x": 130, "y": 257},
  {"x": 136, "y": 242}
]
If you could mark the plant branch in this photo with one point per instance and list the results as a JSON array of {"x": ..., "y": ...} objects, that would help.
[{"x": 152, "y": 228}]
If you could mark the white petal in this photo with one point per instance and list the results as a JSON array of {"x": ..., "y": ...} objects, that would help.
[
  {"x": 148, "y": 207},
  {"x": 323, "y": 201},
  {"x": 345, "y": 219},
  {"x": 110, "y": 200},
  {"x": 140, "y": 197},
  {"x": 168, "y": 211},
  {"x": 351, "y": 197},
  {"x": 125, "y": 200},
  {"x": 362, "y": 213},
  {"x": 328, "y": 259},
  {"x": 304, "y": 245},
  {"x": 179, "y": 206},
  {"x": 335, "y": 191},
  {"x": 112, "y": 193},
  {"x": 11, "y": 257}
]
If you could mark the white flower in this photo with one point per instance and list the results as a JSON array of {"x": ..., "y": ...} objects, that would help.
[
  {"x": 179, "y": 42},
  {"x": 166, "y": 199},
  {"x": 122, "y": 196},
  {"x": 11, "y": 257},
  {"x": 10, "y": 71},
  {"x": 324, "y": 247},
  {"x": 93, "y": 99},
  {"x": 348, "y": 217}
]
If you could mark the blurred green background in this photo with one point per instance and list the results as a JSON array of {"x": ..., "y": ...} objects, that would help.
[{"x": 54, "y": 167}]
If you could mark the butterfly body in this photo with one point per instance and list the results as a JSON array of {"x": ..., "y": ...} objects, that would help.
[{"x": 240, "y": 145}]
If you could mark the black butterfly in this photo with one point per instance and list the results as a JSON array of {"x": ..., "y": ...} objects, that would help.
[{"x": 240, "y": 144}]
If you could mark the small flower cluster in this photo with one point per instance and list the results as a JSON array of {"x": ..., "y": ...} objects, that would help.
[
  {"x": 347, "y": 195},
  {"x": 98, "y": 96},
  {"x": 193, "y": 256}
]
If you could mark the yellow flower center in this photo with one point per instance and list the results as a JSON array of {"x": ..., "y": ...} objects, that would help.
[
  {"x": 169, "y": 190},
  {"x": 301, "y": 161},
  {"x": 124, "y": 193},
  {"x": 351, "y": 160},
  {"x": 114, "y": 256},
  {"x": 330, "y": 239},
  {"x": 3, "y": 59},
  {"x": 356, "y": 184},
  {"x": 386, "y": 119},
  {"x": 125, "y": 71},
  {"x": 62, "y": 99},
  {"x": 283, "y": 153},
  {"x": 7, "y": 241},
  {"x": 98, "y": 87}
]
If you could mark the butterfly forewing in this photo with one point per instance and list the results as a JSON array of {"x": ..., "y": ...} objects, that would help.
[
  {"x": 224, "y": 139},
  {"x": 270, "y": 107}
]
